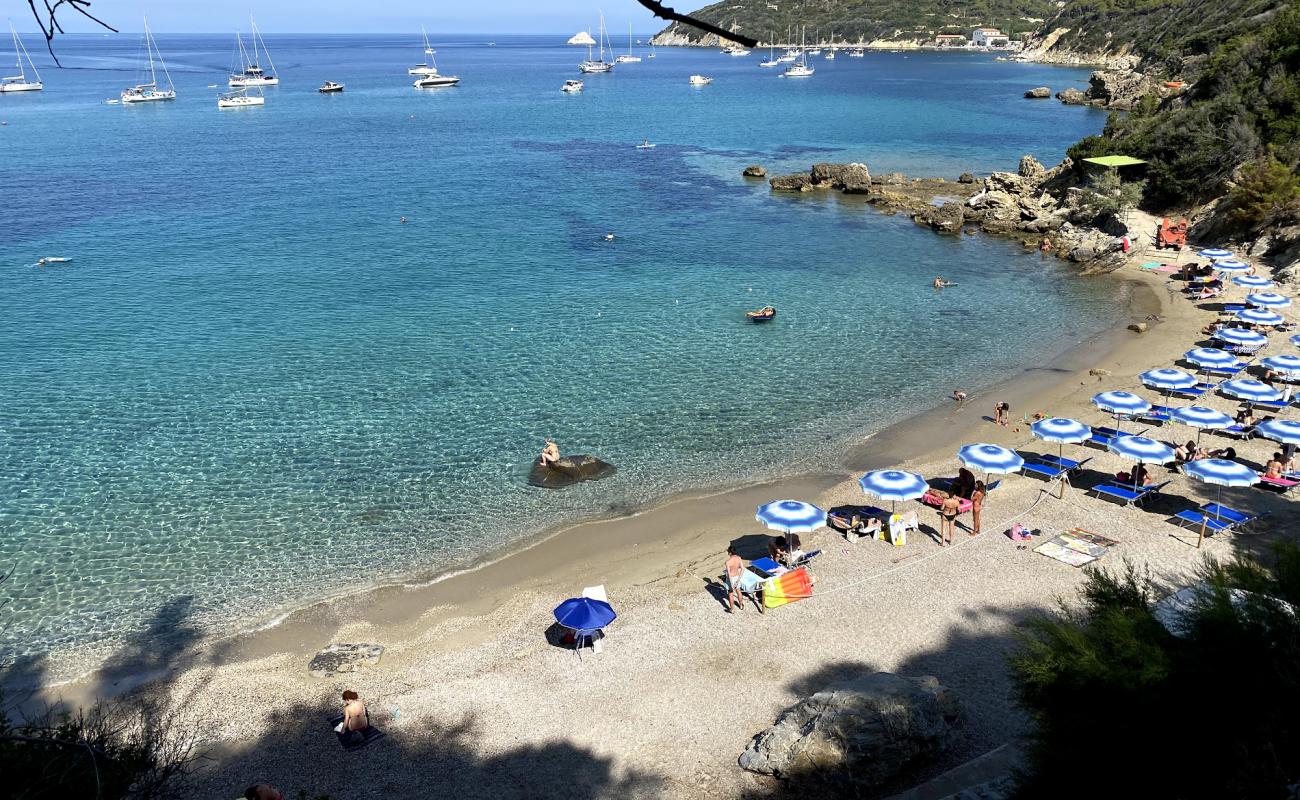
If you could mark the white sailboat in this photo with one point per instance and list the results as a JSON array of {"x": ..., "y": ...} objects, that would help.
[
  {"x": 240, "y": 98},
  {"x": 150, "y": 92},
  {"x": 629, "y": 58},
  {"x": 771, "y": 55},
  {"x": 734, "y": 49},
  {"x": 253, "y": 74},
  {"x": 816, "y": 49},
  {"x": 800, "y": 68},
  {"x": 830, "y": 54},
  {"x": 599, "y": 64},
  {"x": 857, "y": 52},
  {"x": 19, "y": 82},
  {"x": 423, "y": 68}
]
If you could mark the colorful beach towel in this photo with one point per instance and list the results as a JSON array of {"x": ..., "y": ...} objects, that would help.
[{"x": 1076, "y": 547}]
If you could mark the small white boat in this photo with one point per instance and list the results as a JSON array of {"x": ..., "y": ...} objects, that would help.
[
  {"x": 800, "y": 68},
  {"x": 52, "y": 260},
  {"x": 240, "y": 99},
  {"x": 19, "y": 82},
  {"x": 857, "y": 52},
  {"x": 330, "y": 87},
  {"x": 789, "y": 57},
  {"x": 735, "y": 50},
  {"x": 770, "y": 62},
  {"x": 150, "y": 92},
  {"x": 700, "y": 80},
  {"x": 628, "y": 58},
  {"x": 252, "y": 73},
  {"x": 572, "y": 85},
  {"x": 436, "y": 81},
  {"x": 646, "y": 145},
  {"x": 830, "y": 54}
]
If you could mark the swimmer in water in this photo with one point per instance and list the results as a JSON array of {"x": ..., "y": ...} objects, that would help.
[
  {"x": 939, "y": 283},
  {"x": 609, "y": 237},
  {"x": 402, "y": 219}
]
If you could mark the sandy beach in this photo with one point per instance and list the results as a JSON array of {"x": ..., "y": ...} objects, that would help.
[{"x": 477, "y": 702}]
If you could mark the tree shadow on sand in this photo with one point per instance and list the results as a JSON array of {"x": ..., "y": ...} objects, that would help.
[{"x": 302, "y": 754}]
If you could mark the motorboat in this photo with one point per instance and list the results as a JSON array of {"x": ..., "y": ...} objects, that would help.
[
  {"x": 240, "y": 99},
  {"x": 700, "y": 80},
  {"x": 764, "y": 314},
  {"x": 734, "y": 50},
  {"x": 436, "y": 81},
  {"x": 857, "y": 52},
  {"x": 330, "y": 87},
  {"x": 151, "y": 91},
  {"x": 572, "y": 85},
  {"x": 20, "y": 82}
]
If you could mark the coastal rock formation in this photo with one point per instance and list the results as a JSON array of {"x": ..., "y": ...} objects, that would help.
[
  {"x": 859, "y": 732},
  {"x": 1072, "y": 97},
  {"x": 853, "y": 178},
  {"x": 568, "y": 471},
  {"x": 892, "y": 179},
  {"x": 338, "y": 659},
  {"x": 1031, "y": 168},
  {"x": 755, "y": 171},
  {"x": 1038, "y": 93},
  {"x": 1117, "y": 89},
  {"x": 965, "y": 177},
  {"x": 798, "y": 182},
  {"x": 947, "y": 218}
]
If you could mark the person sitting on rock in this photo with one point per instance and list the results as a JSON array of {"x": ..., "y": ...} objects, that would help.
[{"x": 550, "y": 454}]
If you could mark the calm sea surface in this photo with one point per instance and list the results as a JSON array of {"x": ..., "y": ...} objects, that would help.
[{"x": 252, "y": 379}]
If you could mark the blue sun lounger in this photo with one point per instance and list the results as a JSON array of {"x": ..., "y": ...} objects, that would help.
[
  {"x": 1051, "y": 467},
  {"x": 1126, "y": 493},
  {"x": 1194, "y": 391},
  {"x": 1239, "y": 519},
  {"x": 1227, "y": 370},
  {"x": 1196, "y": 518}
]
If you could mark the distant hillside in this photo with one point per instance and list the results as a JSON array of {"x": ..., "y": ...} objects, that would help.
[
  {"x": 1174, "y": 36},
  {"x": 861, "y": 21}
]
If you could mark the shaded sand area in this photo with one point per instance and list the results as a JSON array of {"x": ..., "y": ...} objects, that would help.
[{"x": 478, "y": 703}]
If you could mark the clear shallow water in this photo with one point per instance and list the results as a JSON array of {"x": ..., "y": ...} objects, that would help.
[{"x": 253, "y": 378}]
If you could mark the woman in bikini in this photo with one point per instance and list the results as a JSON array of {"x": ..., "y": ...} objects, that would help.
[
  {"x": 734, "y": 567},
  {"x": 977, "y": 503},
  {"x": 948, "y": 514}
]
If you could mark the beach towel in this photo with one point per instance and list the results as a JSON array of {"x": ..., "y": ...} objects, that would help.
[
  {"x": 355, "y": 740},
  {"x": 1076, "y": 547}
]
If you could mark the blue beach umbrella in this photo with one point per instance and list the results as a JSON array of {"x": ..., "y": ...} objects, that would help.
[
  {"x": 1295, "y": 340},
  {"x": 1210, "y": 357},
  {"x": 1268, "y": 300},
  {"x": 1219, "y": 472},
  {"x": 584, "y": 615},
  {"x": 1120, "y": 403},
  {"x": 1201, "y": 418},
  {"x": 1214, "y": 252},
  {"x": 990, "y": 458},
  {"x": 1142, "y": 450},
  {"x": 1260, "y": 316},
  {"x": 1252, "y": 281},
  {"x": 1284, "y": 363},
  {"x": 893, "y": 485},
  {"x": 791, "y": 517},
  {"x": 1280, "y": 430},
  {"x": 1063, "y": 431},
  {"x": 1250, "y": 390},
  {"x": 1168, "y": 379},
  {"x": 1231, "y": 265},
  {"x": 1241, "y": 337}
]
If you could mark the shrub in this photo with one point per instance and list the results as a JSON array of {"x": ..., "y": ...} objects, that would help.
[{"x": 1267, "y": 188}]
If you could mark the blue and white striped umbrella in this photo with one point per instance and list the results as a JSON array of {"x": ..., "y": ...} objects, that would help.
[
  {"x": 1260, "y": 316},
  {"x": 990, "y": 458},
  {"x": 1168, "y": 379},
  {"x": 1295, "y": 340},
  {"x": 1268, "y": 300},
  {"x": 1284, "y": 363},
  {"x": 1241, "y": 336},
  {"x": 1221, "y": 472},
  {"x": 1252, "y": 281},
  {"x": 1201, "y": 417},
  {"x": 1120, "y": 403},
  {"x": 893, "y": 484},
  {"x": 1280, "y": 430},
  {"x": 1231, "y": 265},
  {"x": 1250, "y": 390},
  {"x": 1214, "y": 252},
  {"x": 791, "y": 516},
  {"x": 1061, "y": 430},
  {"x": 1210, "y": 357},
  {"x": 1140, "y": 448}
]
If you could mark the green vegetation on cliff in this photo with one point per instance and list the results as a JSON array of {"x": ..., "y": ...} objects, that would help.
[
  {"x": 865, "y": 20},
  {"x": 1242, "y": 107}
]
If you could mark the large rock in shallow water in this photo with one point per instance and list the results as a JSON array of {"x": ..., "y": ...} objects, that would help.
[
  {"x": 569, "y": 470},
  {"x": 798, "y": 182},
  {"x": 947, "y": 218},
  {"x": 754, "y": 171},
  {"x": 849, "y": 177},
  {"x": 862, "y": 731},
  {"x": 343, "y": 658},
  {"x": 1038, "y": 93},
  {"x": 1072, "y": 97}
]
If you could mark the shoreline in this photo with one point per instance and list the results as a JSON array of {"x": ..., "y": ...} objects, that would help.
[{"x": 551, "y": 561}]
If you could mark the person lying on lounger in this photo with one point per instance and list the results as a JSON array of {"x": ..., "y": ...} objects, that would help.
[
  {"x": 1188, "y": 452},
  {"x": 1230, "y": 453},
  {"x": 1274, "y": 468}
]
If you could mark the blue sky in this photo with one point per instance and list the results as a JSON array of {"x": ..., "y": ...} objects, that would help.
[{"x": 364, "y": 16}]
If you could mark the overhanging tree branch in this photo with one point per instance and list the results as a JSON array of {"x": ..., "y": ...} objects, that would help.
[
  {"x": 663, "y": 12},
  {"x": 49, "y": 19}
]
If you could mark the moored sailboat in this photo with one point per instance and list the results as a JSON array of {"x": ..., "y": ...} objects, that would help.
[
  {"x": 425, "y": 68},
  {"x": 598, "y": 64},
  {"x": 629, "y": 58},
  {"x": 20, "y": 82},
  {"x": 252, "y": 73},
  {"x": 151, "y": 92}
]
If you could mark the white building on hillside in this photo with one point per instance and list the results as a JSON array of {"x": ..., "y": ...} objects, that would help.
[{"x": 988, "y": 37}]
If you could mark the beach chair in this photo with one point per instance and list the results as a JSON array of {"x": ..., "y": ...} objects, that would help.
[
  {"x": 1270, "y": 405},
  {"x": 803, "y": 558},
  {"x": 1102, "y": 437},
  {"x": 1059, "y": 461},
  {"x": 1126, "y": 493},
  {"x": 1192, "y": 392},
  {"x": 1279, "y": 485},
  {"x": 1237, "y": 431},
  {"x": 1227, "y": 370},
  {"x": 1048, "y": 472},
  {"x": 1194, "y": 518},
  {"x": 1238, "y": 519}
]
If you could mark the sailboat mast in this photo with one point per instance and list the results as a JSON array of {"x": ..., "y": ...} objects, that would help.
[
  {"x": 148, "y": 49},
  {"x": 258, "y": 34}
]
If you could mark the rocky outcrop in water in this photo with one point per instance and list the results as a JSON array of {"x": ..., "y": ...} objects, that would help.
[
  {"x": 339, "y": 659},
  {"x": 798, "y": 182},
  {"x": 1072, "y": 97},
  {"x": 568, "y": 471},
  {"x": 754, "y": 171},
  {"x": 1038, "y": 93},
  {"x": 946, "y": 218},
  {"x": 858, "y": 733},
  {"x": 852, "y": 178}
]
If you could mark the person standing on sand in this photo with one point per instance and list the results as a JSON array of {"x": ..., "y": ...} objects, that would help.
[
  {"x": 1002, "y": 414},
  {"x": 947, "y": 516},
  {"x": 734, "y": 567},
  {"x": 977, "y": 504}
]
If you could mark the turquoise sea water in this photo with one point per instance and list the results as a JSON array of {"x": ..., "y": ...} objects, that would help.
[{"x": 253, "y": 378}]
